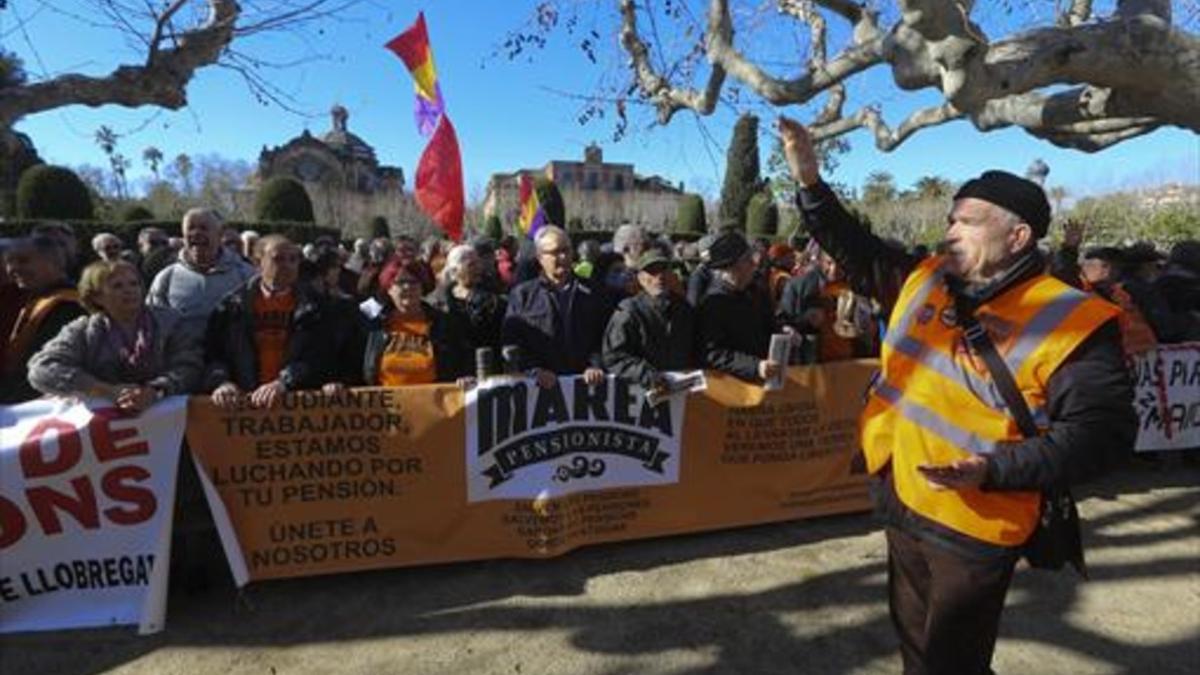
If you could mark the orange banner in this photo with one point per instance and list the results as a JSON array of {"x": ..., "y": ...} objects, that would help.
[{"x": 380, "y": 478}]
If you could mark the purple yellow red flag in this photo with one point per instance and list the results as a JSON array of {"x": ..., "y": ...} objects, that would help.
[
  {"x": 412, "y": 46},
  {"x": 532, "y": 216},
  {"x": 439, "y": 184}
]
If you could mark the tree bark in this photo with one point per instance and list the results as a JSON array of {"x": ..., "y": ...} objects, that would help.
[{"x": 161, "y": 81}]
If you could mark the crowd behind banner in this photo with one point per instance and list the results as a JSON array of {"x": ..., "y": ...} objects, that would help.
[{"x": 247, "y": 321}]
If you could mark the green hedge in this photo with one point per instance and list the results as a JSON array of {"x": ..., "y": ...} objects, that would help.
[{"x": 301, "y": 233}]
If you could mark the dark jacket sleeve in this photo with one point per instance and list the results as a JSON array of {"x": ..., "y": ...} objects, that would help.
[
  {"x": 1064, "y": 266},
  {"x": 1092, "y": 421},
  {"x": 623, "y": 349},
  {"x": 873, "y": 268},
  {"x": 799, "y": 295},
  {"x": 516, "y": 329},
  {"x": 715, "y": 331},
  {"x": 218, "y": 368}
]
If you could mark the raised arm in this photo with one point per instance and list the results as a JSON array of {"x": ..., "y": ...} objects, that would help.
[{"x": 873, "y": 268}]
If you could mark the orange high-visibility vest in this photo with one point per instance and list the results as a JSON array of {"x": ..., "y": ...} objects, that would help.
[{"x": 935, "y": 402}]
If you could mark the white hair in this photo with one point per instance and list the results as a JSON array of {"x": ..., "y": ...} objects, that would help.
[
  {"x": 626, "y": 235},
  {"x": 197, "y": 215},
  {"x": 99, "y": 240},
  {"x": 548, "y": 230},
  {"x": 454, "y": 261}
]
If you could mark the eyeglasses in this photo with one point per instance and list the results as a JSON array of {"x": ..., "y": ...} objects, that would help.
[{"x": 555, "y": 252}]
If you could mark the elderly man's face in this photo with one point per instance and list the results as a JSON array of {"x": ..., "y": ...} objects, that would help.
[
  {"x": 202, "y": 241},
  {"x": 981, "y": 239},
  {"x": 30, "y": 270},
  {"x": 109, "y": 248},
  {"x": 554, "y": 256},
  {"x": 280, "y": 265},
  {"x": 655, "y": 280}
]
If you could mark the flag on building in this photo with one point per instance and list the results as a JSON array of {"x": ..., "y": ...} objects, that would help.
[
  {"x": 439, "y": 184},
  {"x": 532, "y": 215}
]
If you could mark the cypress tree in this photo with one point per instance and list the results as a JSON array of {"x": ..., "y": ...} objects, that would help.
[{"x": 742, "y": 177}]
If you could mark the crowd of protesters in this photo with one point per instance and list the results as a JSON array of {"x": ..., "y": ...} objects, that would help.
[{"x": 246, "y": 318}]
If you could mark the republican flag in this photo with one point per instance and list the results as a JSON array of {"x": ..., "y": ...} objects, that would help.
[
  {"x": 532, "y": 215},
  {"x": 439, "y": 185},
  {"x": 412, "y": 46}
]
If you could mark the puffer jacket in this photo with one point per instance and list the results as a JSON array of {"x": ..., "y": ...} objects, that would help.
[{"x": 84, "y": 356}]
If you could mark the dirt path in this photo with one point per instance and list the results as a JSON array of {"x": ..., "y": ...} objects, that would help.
[{"x": 804, "y": 597}]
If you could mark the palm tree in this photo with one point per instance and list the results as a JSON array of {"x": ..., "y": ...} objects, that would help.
[
  {"x": 152, "y": 156},
  {"x": 879, "y": 187},
  {"x": 933, "y": 187}
]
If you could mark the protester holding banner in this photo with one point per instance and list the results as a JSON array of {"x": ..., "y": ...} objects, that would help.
[
  {"x": 346, "y": 326},
  {"x": 961, "y": 457},
  {"x": 270, "y": 335},
  {"x": 463, "y": 292},
  {"x": 735, "y": 319},
  {"x": 652, "y": 332},
  {"x": 557, "y": 321},
  {"x": 38, "y": 267},
  {"x": 123, "y": 351},
  {"x": 411, "y": 341}
]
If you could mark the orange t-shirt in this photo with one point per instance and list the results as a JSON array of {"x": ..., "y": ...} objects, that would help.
[
  {"x": 272, "y": 324},
  {"x": 408, "y": 356}
]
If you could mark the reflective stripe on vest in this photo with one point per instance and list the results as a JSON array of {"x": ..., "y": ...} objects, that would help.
[{"x": 936, "y": 403}]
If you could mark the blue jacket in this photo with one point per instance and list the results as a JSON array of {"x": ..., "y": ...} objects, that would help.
[{"x": 565, "y": 339}]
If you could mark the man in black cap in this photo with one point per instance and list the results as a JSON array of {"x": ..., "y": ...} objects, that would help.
[
  {"x": 958, "y": 472},
  {"x": 735, "y": 318},
  {"x": 652, "y": 332}
]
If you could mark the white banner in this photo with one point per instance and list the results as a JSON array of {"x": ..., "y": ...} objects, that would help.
[
  {"x": 87, "y": 496},
  {"x": 1167, "y": 397},
  {"x": 526, "y": 442}
]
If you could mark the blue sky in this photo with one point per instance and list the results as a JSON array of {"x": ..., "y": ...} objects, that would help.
[{"x": 509, "y": 114}]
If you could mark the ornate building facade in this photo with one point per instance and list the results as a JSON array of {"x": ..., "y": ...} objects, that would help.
[
  {"x": 597, "y": 195},
  {"x": 344, "y": 179}
]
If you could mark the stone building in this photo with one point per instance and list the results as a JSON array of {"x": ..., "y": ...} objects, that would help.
[
  {"x": 344, "y": 179},
  {"x": 597, "y": 195}
]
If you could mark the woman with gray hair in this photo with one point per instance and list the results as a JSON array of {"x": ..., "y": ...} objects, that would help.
[{"x": 461, "y": 292}]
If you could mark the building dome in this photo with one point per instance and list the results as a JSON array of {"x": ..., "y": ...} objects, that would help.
[{"x": 341, "y": 141}]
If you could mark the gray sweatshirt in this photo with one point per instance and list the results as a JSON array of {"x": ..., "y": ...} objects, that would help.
[{"x": 195, "y": 294}]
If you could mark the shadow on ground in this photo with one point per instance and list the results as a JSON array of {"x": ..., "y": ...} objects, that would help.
[{"x": 746, "y": 632}]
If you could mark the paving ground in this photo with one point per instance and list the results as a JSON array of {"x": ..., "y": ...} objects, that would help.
[{"x": 803, "y": 597}]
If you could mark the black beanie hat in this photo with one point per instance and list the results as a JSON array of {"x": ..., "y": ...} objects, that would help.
[{"x": 1019, "y": 195}]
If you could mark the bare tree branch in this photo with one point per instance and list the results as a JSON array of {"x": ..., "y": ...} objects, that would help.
[
  {"x": 657, "y": 88},
  {"x": 1077, "y": 13},
  {"x": 887, "y": 138},
  {"x": 1130, "y": 73},
  {"x": 161, "y": 81}
]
